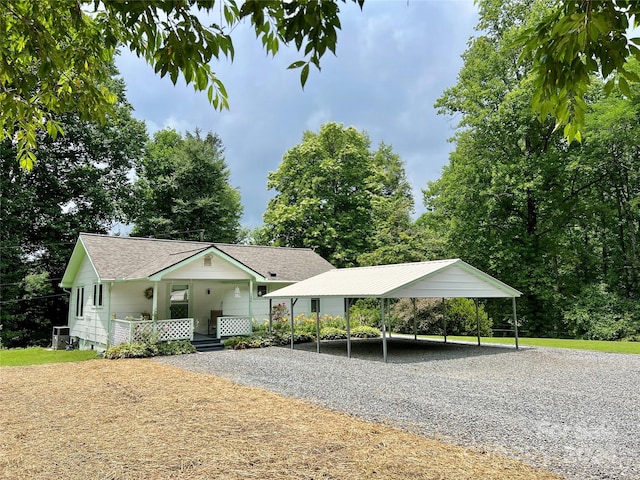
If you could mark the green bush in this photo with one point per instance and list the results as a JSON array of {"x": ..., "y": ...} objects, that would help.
[
  {"x": 298, "y": 337},
  {"x": 601, "y": 315},
  {"x": 364, "y": 331},
  {"x": 175, "y": 347},
  {"x": 460, "y": 316},
  {"x": 332, "y": 333},
  {"x": 131, "y": 350},
  {"x": 365, "y": 311}
]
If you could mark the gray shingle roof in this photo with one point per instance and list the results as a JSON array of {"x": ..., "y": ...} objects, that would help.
[{"x": 133, "y": 257}]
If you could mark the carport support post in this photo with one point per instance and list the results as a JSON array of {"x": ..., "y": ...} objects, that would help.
[
  {"x": 415, "y": 329},
  {"x": 347, "y": 306},
  {"x": 444, "y": 319},
  {"x": 318, "y": 328},
  {"x": 384, "y": 331},
  {"x": 515, "y": 320},
  {"x": 292, "y": 304},
  {"x": 475, "y": 300}
]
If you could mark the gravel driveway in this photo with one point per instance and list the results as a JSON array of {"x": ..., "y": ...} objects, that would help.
[{"x": 575, "y": 413}]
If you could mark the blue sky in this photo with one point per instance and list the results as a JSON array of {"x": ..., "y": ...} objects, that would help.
[{"x": 394, "y": 59}]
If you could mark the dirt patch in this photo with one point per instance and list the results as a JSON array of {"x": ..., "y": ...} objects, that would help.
[{"x": 138, "y": 419}]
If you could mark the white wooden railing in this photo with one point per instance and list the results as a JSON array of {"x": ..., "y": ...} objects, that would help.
[
  {"x": 229, "y": 326},
  {"x": 129, "y": 331}
]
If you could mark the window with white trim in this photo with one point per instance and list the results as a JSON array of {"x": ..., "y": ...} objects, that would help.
[
  {"x": 79, "y": 301},
  {"x": 97, "y": 295}
]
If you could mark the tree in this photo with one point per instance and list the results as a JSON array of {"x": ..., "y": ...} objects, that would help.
[
  {"x": 183, "y": 189},
  {"x": 550, "y": 218},
  {"x": 78, "y": 186},
  {"x": 324, "y": 194},
  {"x": 55, "y": 55},
  {"x": 570, "y": 43}
]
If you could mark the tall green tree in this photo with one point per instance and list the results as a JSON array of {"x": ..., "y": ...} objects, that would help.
[
  {"x": 396, "y": 238},
  {"x": 503, "y": 190},
  {"x": 353, "y": 205},
  {"x": 323, "y": 195},
  {"x": 519, "y": 201},
  {"x": 79, "y": 185},
  {"x": 183, "y": 189}
]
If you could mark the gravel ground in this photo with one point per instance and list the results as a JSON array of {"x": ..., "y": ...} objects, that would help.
[{"x": 575, "y": 413}]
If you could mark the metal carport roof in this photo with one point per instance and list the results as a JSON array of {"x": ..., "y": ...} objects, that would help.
[
  {"x": 451, "y": 278},
  {"x": 440, "y": 278}
]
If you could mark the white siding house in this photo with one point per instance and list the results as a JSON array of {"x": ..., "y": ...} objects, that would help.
[{"x": 113, "y": 280}]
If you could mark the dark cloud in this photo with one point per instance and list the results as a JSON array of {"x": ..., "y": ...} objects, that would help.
[{"x": 394, "y": 59}]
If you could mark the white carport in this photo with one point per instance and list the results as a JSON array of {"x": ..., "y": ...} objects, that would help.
[{"x": 436, "y": 279}]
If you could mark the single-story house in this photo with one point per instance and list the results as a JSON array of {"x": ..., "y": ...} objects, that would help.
[{"x": 116, "y": 284}]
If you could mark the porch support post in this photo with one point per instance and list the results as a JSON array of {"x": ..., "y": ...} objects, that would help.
[
  {"x": 384, "y": 331},
  {"x": 415, "y": 328},
  {"x": 270, "y": 316},
  {"x": 444, "y": 319},
  {"x": 475, "y": 300},
  {"x": 347, "y": 306},
  {"x": 515, "y": 320},
  {"x": 154, "y": 304},
  {"x": 318, "y": 327},
  {"x": 251, "y": 301}
]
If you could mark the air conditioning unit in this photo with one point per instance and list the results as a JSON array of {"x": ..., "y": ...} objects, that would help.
[{"x": 60, "y": 338}]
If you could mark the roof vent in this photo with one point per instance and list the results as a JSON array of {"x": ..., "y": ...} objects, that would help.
[
  {"x": 273, "y": 274},
  {"x": 207, "y": 260}
]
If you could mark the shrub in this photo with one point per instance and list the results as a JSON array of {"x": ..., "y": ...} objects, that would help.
[
  {"x": 131, "y": 350},
  {"x": 332, "y": 333},
  {"x": 365, "y": 311},
  {"x": 601, "y": 315},
  {"x": 298, "y": 337},
  {"x": 460, "y": 315},
  {"x": 364, "y": 331},
  {"x": 175, "y": 347}
]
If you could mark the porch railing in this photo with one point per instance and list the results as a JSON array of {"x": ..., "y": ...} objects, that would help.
[
  {"x": 229, "y": 326},
  {"x": 129, "y": 331}
]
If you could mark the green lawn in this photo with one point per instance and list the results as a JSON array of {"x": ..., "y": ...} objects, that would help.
[
  {"x": 601, "y": 346},
  {"x": 37, "y": 355}
]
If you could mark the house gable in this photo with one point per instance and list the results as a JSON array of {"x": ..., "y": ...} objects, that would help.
[
  {"x": 210, "y": 264},
  {"x": 76, "y": 262}
]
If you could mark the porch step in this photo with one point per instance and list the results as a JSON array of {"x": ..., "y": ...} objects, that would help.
[{"x": 208, "y": 345}]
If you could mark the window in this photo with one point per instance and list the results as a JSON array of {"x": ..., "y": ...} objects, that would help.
[
  {"x": 262, "y": 290},
  {"x": 97, "y": 295},
  {"x": 79, "y": 301},
  {"x": 315, "y": 305},
  {"x": 179, "y": 301}
]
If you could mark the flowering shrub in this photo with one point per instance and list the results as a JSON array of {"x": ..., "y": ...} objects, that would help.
[{"x": 280, "y": 312}]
